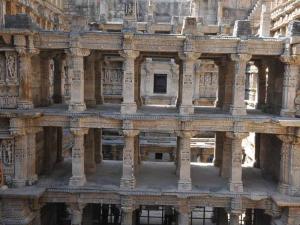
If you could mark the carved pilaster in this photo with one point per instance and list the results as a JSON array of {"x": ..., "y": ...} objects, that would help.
[
  {"x": 128, "y": 105},
  {"x": 128, "y": 177},
  {"x": 285, "y": 166},
  {"x": 238, "y": 106},
  {"x": 290, "y": 80},
  {"x": 184, "y": 211},
  {"x": 76, "y": 72},
  {"x": 186, "y": 90},
  {"x": 127, "y": 215},
  {"x": 25, "y": 71},
  {"x": 184, "y": 160},
  {"x": 235, "y": 210},
  {"x": 235, "y": 174},
  {"x": 78, "y": 175}
]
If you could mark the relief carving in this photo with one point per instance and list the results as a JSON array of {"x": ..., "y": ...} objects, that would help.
[{"x": 11, "y": 66}]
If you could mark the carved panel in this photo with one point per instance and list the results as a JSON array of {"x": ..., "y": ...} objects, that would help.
[
  {"x": 7, "y": 149},
  {"x": 112, "y": 79},
  {"x": 11, "y": 67}
]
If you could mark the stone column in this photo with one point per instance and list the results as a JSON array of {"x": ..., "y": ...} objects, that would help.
[
  {"x": 128, "y": 105},
  {"x": 17, "y": 130},
  {"x": 262, "y": 84},
  {"x": 2, "y": 12},
  {"x": 76, "y": 70},
  {"x": 184, "y": 214},
  {"x": 295, "y": 167},
  {"x": 286, "y": 147},
  {"x": 234, "y": 218},
  {"x": 98, "y": 146},
  {"x": 265, "y": 21},
  {"x": 89, "y": 154},
  {"x": 47, "y": 78},
  {"x": 226, "y": 157},
  {"x": 76, "y": 211},
  {"x": 127, "y": 215},
  {"x": 78, "y": 174},
  {"x": 32, "y": 170},
  {"x": 219, "y": 143},
  {"x": 238, "y": 106},
  {"x": 290, "y": 79},
  {"x": 25, "y": 71},
  {"x": 185, "y": 182},
  {"x": 235, "y": 171},
  {"x": 186, "y": 92},
  {"x": 128, "y": 177},
  {"x": 89, "y": 79}
]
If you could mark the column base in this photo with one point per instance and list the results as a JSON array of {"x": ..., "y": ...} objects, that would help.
[
  {"x": 283, "y": 189},
  {"x": 33, "y": 180},
  {"x": 23, "y": 104},
  {"x": 127, "y": 183},
  {"x": 90, "y": 102},
  {"x": 238, "y": 111},
  {"x": 184, "y": 185},
  {"x": 236, "y": 187},
  {"x": 186, "y": 109},
  {"x": 77, "y": 181},
  {"x": 128, "y": 108},
  {"x": 287, "y": 113},
  {"x": 77, "y": 107}
]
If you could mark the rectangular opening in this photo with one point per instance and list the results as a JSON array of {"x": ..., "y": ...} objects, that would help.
[
  {"x": 159, "y": 156},
  {"x": 160, "y": 83}
]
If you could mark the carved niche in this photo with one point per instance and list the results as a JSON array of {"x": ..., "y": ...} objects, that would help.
[
  {"x": 7, "y": 149},
  {"x": 112, "y": 81},
  {"x": 8, "y": 79}
]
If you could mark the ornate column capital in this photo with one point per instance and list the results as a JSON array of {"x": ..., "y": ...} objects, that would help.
[
  {"x": 130, "y": 133},
  {"x": 240, "y": 57},
  {"x": 189, "y": 56},
  {"x": 236, "y": 135},
  {"x": 129, "y": 54},
  {"x": 17, "y": 127},
  {"x": 79, "y": 131},
  {"x": 287, "y": 139},
  {"x": 290, "y": 59},
  {"x": 185, "y": 134}
]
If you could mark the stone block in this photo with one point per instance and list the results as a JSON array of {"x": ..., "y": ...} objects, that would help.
[
  {"x": 294, "y": 28},
  {"x": 20, "y": 21},
  {"x": 242, "y": 28}
]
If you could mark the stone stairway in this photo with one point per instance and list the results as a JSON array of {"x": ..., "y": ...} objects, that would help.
[{"x": 254, "y": 15}]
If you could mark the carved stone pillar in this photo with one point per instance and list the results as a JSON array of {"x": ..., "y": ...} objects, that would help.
[
  {"x": 25, "y": 71},
  {"x": 184, "y": 214},
  {"x": 89, "y": 79},
  {"x": 127, "y": 215},
  {"x": 286, "y": 148},
  {"x": 76, "y": 211},
  {"x": 226, "y": 157},
  {"x": 128, "y": 105},
  {"x": 184, "y": 182},
  {"x": 32, "y": 170},
  {"x": 295, "y": 167},
  {"x": 76, "y": 70},
  {"x": 89, "y": 154},
  {"x": 78, "y": 174},
  {"x": 17, "y": 129},
  {"x": 265, "y": 21},
  {"x": 234, "y": 218},
  {"x": 128, "y": 177},
  {"x": 186, "y": 90},
  {"x": 290, "y": 80},
  {"x": 47, "y": 69},
  {"x": 235, "y": 171},
  {"x": 238, "y": 106}
]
